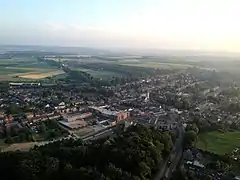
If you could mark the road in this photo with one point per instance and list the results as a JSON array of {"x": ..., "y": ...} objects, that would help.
[{"x": 165, "y": 169}]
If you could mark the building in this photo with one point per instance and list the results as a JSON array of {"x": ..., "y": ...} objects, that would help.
[
  {"x": 193, "y": 165},
  {"x": 76, "y": 116},
  {"x": 74, "y": 124},
  {"x": 24, "y": 85},
  {"x": 75, "y": 120},
  {"x": 114, "y": 115},
  {"x": 8, "y": 119}
]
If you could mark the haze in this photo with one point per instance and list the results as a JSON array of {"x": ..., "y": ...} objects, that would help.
[{"x": 164, "y": 24}]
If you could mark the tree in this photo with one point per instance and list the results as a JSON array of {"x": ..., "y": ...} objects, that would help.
[
  {"x": 13, "y": 109},
  {"x": 9, "y": 140},
  {"x": 144, "y": 169},
  {"x": 42, "y": 128},
  {"x": 179, "y": 174},
  {"x": 190, "y": 138},
  {"x": 133, "y": 155},
  {"x": 14, "y": 131},
  {"x": 192, "y": 127},
  {"x": 112, "y": 172}
]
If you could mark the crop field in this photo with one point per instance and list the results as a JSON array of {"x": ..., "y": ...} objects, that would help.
[
  {"x": 29, "y": 68},
  {"x": 100, "y": 73},
  {"x": 218, "y": 142},
  {"x": 41, "y": 75},
  {"x": 156, "y": 65},
  {"x": 25, "y": 68}
]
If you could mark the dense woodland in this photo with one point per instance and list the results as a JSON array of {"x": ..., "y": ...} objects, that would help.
[{"x": 132, "y": 155}]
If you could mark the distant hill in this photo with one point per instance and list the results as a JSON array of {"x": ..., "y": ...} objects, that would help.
[{"x": 55, "y": 49}]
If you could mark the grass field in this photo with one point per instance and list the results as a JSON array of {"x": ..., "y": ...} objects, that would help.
[{"x": 219, "y": 143}]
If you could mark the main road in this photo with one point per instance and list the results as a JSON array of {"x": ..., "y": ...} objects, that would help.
[{"x": 174, "y": 158}]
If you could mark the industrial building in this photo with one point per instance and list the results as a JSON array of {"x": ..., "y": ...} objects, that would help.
[
  {"x": 76, "y": 116},
  {"x": 113, "y": 115},
  {"x": 75, "y": 120},
  {"x": 23, "y": 85},
  {"x": 74, "y": 124}
]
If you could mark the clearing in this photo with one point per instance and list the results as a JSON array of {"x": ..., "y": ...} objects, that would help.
[{"x": 218, "y": 142}]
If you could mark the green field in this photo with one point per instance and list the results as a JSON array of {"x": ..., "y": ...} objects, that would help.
[
  {"x": 157, "y": 65},
  {"x": 29, "y": 68},
  {"x": 218, "y": 142},
  {"x": 12, "y": 69},
  {"x": 100, "y": 73}
]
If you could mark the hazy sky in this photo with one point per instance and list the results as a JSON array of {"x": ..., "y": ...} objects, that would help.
[{"x": 165, "y": 24}]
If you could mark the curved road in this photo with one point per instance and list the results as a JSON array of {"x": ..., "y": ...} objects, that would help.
[{"x": 165, "y": 169}]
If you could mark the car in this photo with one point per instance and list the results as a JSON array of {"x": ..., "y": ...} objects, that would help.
[{"x": 169, "y": 162}]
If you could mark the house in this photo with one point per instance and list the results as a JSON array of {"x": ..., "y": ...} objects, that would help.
[
  {"x": 194, "y": 165},
  {"x": 60, "y": 105},
  {"x": 8, "y": 118}
]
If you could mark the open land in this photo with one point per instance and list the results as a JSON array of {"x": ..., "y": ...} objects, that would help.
[
  {"x": 158, "y": 65},
  {"x": 218, "y": 142},
  {"x": 41, "y": 75},
  {"x": 25, "y": 68},
  {"x": 28, "y": 68},
  {"x": 23, "y": 146}
]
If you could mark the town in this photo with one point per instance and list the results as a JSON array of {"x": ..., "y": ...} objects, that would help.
[{"x": 35, "y": 114}]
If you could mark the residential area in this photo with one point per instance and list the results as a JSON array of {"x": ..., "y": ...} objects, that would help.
[{"x": 38, "y": 113}]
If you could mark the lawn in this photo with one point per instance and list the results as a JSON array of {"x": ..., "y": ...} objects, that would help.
[{"x": 218, "y": 142}]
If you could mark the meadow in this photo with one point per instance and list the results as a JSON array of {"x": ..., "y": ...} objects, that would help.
[{"x": 218, "y": 142}]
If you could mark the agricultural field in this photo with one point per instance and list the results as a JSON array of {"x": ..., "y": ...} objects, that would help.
[
  {"x": 218, "y": 142},
  {"x": 29, "y": 68},
  {"x": 41, "y": 75},
  {"x": 156, "y": 65},
  {"x": 100, "y": 73},
  {"x": 25, "y": 68}
]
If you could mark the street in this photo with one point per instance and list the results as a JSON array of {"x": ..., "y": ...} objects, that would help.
[{"x": 165, "y": 170}]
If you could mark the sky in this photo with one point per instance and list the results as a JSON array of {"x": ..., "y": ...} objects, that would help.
[{"x": 160, "y": 24}]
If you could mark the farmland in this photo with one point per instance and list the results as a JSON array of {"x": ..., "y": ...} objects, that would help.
[
  {"x": 100, "y": 73},
  {"x": 25, "y": 68},
  {"x": 41, "y": 75},
  {"x": 158, "y": 65},
  {"x": 218, "y": 142}
]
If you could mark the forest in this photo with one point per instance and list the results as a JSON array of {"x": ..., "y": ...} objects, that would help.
[{"x": 132, "y": 155}]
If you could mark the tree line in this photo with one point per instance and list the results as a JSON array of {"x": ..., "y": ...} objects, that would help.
[{"x": 132, "y": 155}]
